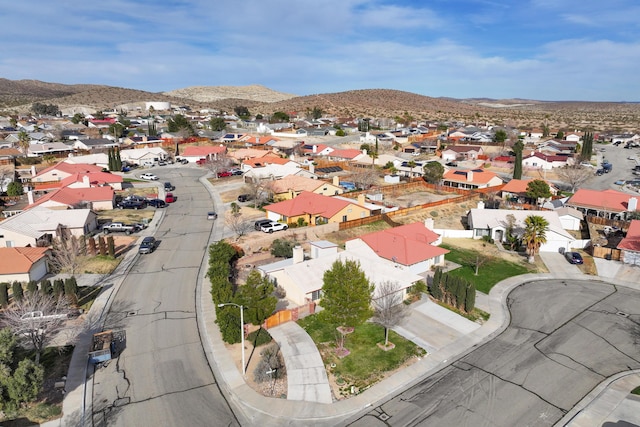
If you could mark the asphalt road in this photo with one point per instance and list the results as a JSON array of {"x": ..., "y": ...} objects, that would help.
[
  {"x": 622, "y": 167},
  {"x": 162, "y": 377},
  {"x": 565, "y": 337}
]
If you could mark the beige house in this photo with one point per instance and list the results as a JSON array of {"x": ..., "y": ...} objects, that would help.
[
  {"x": 291, "y": 186},
  {"x": 23, "y": 264}
]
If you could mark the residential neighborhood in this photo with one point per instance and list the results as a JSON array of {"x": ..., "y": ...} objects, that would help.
[{"x": 433, "y": 218}]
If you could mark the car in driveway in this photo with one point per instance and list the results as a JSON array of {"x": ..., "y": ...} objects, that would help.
[
  {"x": 157, "y": 203},
  {"x": 574, "y": 257},
  {"x": 149, "y": 177},
  {"x": 244, "y": 197},
  {"x": 147, "y": 245},
  {"x": 273, "y": 226},
  {"x": 259, "y": 223},
  {"x": 132, "y": 204}
]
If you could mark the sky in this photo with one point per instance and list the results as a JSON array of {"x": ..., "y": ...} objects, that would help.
[{"x": 556, "y": 50}]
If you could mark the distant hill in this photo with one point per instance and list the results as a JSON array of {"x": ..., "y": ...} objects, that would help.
[{"x": 374, "y": 103}]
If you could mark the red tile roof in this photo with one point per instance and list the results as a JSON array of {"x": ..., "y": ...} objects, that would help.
[
  {"x": 407, "y": 245},
  {"x": 307, "y": 203},
  {"x": 265, "y": 160},
  {"x": 548, "y": 158},
  {"x": 19, "y": 260},
  {"x": 519, "y": 185},
  {"x": 347, "y": 153},
  {"x": 609, "y": 200},
  {"x": 480, "y": 176},
  {"x": 71, "y": 168},
  {"x": 95, "y": 178},
  {"x": 194, "y": 150},
  {"x": 632, "y": 241},
  {"x": 74, "y": 196}
]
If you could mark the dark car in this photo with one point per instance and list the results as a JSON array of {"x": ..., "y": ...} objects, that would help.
[
  {"x": 236, "y": 172},
  {"x": 244, "y": 197},
  {"x": 132, "y": 204},
  {"x": 147, "y": 246},
  {"x": 259, "y": 223},
  {"x": 157, "y": 203},
  {"x": 169, "y": 186},
  {"x": 573, "y": 257}
]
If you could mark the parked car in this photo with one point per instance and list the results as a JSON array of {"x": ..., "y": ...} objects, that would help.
[
  {"x": 573, "y": 257},
  {"x": 212, "y": 215},
  {"x": 168, "y": 186},
  {"x": 224, "y": 174},
  {"x": 244, "y": 197},
  {"x": 170, "y": 198},
  {"x": 132, "y": 204},
  {"x": 149, "y": 177},
  {"x": 147, "y": 245},
  {"x": 235, "y": 171},
  {"x": 201, "y": 162},
  {"x": 273, "y": 226},
  {"x": 162, "y": 163},
  {"x": 259, "y": 223},
  {"x": 184, "y": 161},
  {"x": 157, "y": 203}
]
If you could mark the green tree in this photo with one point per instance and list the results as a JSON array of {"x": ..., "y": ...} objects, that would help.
[
  {"x": 500, "y": 136},
  {"x": 435, "y": 289},
  {"x": 117, "y": 159},
  {"x": 256, "y": 296},
  {"x": 587, "y": 146},
  {"x": 8, "y": 343},
  {"x": 279, "y": 117},
  {"x": 545, "y": 130},
  {"x": 340, "y": 132},
  {"x": 26, "y": 381},
  {"x": 535, "y": 234},
  {"x": 560, "y": 135},
  {"x": 45, "y": 287},
  {"x": 32, "y": 287},
  {"x": 71, "y": 289},
  {"x": 217, "y": 124},
  {"x": 517, "y": 166},
  {"x": 58, "y": 288},
  {"x": 242, "y": 112},
  {"x": 24, "y": 141},
  {"x": 282, "y": 248},
  {"x": 316, "y": 113},
  {"x": 470, "y": 298},
  {"x": 538, "y": 190},
  {"x": 77, "y": 118},
  {"x": 180, "y": 123},
  {"x": 17, "y": 291},
  {"x": 4, "y": 294},
  {"x": 346, "y": 294},
  {"x": 15, "y": 189},
  {"x": 116, "y": 129},
  {"x": 433, "y": 172}
]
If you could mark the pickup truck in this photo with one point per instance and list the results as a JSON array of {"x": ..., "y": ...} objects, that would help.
[{"x": 119, "y": 227}]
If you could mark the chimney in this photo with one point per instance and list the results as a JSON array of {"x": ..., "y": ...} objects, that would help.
[
  {"x": 85, "y": 180},
  {"x": 312, "y": 168},
  {"x": 470, "y": 176},
  {"x": 33, "y": 170},
  {"x": 30, "y": 197},
  {"x": 298, "y": 254},
  {"x": 361, "y": 199},
  {"x": 480, "y": 204},
  {"x": 429, "y": 224},
  {"x": 364, "y": 151},
  {"x": 336, "y": 181},
  {"x": 315, "y": 148},
  {"x": 632, "y": 206}
]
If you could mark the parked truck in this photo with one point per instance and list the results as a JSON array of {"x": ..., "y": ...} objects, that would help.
[
  {"x": 120, "y": 227},
  {"x": 105, "y": 346}
]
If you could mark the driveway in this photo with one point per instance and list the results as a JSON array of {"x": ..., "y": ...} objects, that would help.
[{"x": 558, "y": 265}]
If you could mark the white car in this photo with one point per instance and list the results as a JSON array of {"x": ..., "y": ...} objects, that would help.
[
  {"x": 149, "y": 176},
  {"x": 273, "y": 226}
]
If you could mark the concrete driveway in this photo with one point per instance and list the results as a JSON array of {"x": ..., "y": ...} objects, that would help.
[{"x": 558, "y": 265}]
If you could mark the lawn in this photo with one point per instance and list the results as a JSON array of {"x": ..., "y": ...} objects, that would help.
[
  {"x": 491, "y": 272},
  {"x": 367, "y": 363}
]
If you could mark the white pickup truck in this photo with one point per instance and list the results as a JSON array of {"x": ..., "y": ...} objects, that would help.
[
  {"x": 119, "y": 227},
  {"x": 39, "y": 315}
]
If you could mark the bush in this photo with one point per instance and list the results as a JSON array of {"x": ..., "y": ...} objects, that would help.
[
  {"x": 15, "y": 189},
  {"x": 259, "y": 337},
  {"x": 433, "y": 213},
  {"x": 17, "y": 290},
  {"x": 26, "y": 381},
  {"x": 282, "y": 248},
  {"x": 271, "y": 365},
  {"x": 4, "y": 295}
]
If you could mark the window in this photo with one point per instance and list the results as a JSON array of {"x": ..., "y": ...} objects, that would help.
[
  {"x": 316, "y": 295},
  {"x": 344, "y": 218}
]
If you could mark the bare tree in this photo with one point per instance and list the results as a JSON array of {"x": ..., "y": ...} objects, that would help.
[
  {"x": 38, "y": 318},
  {"x": 575, "y": 175},
  {"x": 219, "y": 163},
  {"x": 236, "y": 222},
  {"x": 365, "y": 177},
  {"x": 259, "y": 189},
  {"x": 388, "y": 308},
  {"x": 67, "y": 252}
]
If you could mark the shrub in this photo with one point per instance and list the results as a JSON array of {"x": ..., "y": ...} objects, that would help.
[
  {"x": 282, "y": 248},
  {"x": 4, "y": 294},
  {"x": 433, "y": 213},
  {"x": 259, "y": 337},
  {"x": 17, "y": 290},
  {"x": 271, "y": 365}
]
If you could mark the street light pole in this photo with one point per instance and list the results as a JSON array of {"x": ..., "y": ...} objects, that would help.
[{"x": 241, "y": 330}]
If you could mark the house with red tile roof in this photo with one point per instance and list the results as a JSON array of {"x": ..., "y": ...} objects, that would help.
[
  {"x": 95, "y": 198},
  {"x": 543, "y": 161},
  {"x": 315, "y": 209},
  {"x": 471, "y": 178},
  {"x": 62, "y": 170},
  {"x": 291, "y": 186},
  {"x": 518, "y": 188},
  {"x": 413, "y": 246},
  {"x": 23, "y": 264},
  {"x": 344, "y": 154},
  {"x": 258, "y": 141},
  {"x": 610, "y": 204},
  {"x": 317, "y": 149},
  {"x": 630, "y": 245}
]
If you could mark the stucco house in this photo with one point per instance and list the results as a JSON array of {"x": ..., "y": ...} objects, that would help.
[
  {"x": 23, "y": 264},
  {"x": 142, "y": 156},
  {"x": 193, "y": 153},
  {"x": 493, "y": 223},
  {"x": 461, "y": 152},
  {"x": 95, "y": 198},
  {"x": 630, "y": 245},
  {"x": 38, "y": 226},
  {"x": 609, "y": 204},
  {"x": 517, "y": 188},
  {"x": 543, "y": 161},
  {"x": 471, "y": 179},
  {"x": 62, "y": 170},
  {"x": 315, "y": 209},
  {"x": 291, "y": 186}
]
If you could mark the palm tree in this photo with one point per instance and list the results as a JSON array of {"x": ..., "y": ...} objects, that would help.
[
  {"x": 23, "y": 141},
  {"x": 535, "y": 234}
]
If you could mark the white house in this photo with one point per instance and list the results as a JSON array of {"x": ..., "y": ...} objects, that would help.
[{"x": 142, "y": 156}]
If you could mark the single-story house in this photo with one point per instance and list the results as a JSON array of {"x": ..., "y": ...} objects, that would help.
[
  {"x": 630, "y": 245},
  {"x": 471, "y": 179},
  {"x": 193, "y": 153},
  {"x": 303, "y": 279},
  {"x": 38, "y": 150},
  {"x": 143, "y": 156},
  {"x": 493, "y": 223},
  {"x": 315, "y": 209},
  {"x": 62, "y": 170},
  {"x": 543, "y": 161},
  {"x": 38, "y": 226},
  {"x": 23, "y": 264},
  {"x": 517, "y": 188},
  {"x": 94, "y": 144},
  {"x": 275, "y": 171},
  {"x": 98, "y": 159},
  {"x": 290, "y": 186},
  {"x": 96, "y": 198},
  {"x": 610, "y": 204},
  {"x": 461, "y": 152}
]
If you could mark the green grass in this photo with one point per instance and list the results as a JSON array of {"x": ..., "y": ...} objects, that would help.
[
  {"x": 367, "y": 363},
  {"x": 492, "y": 272}
]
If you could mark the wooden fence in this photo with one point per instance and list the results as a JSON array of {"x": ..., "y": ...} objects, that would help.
[
  {"x": 289, "y": 315},
  {"x": 623, "y": 225},
  {"x": 606, "y": 253}
]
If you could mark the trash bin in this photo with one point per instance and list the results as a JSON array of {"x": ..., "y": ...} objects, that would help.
[
  {"x": 607, "y": 257},
  {"x": 561, "y": 250}
]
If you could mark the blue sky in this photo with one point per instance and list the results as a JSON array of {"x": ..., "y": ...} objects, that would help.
[{"x": 536, "y": 49}]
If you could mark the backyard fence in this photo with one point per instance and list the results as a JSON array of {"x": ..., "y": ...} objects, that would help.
[{"x": 289, "y": 315}]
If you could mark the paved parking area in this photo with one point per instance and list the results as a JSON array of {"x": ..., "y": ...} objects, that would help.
[{"x": 558, "y": 265}]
